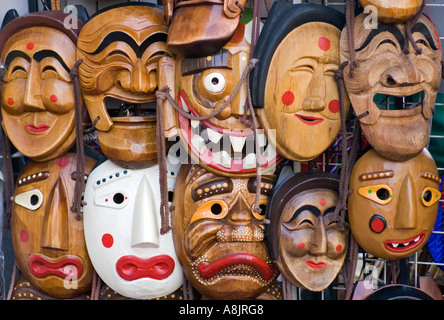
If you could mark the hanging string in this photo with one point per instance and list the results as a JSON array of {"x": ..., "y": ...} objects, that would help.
[
  {"x": 350, "y": 18},
  {"x": 8, "y": 172},
  {"x": 408, "y": 32},
  {"x": 80, "y": 170},
  {"x": 95, "y": 287}
]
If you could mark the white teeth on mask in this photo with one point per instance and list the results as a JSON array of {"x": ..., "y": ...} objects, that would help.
[
  {"x": 249, "y": 162},
  {"x": 262, "y": 139},
  {"x": 417, "y": 239},
  {"x": 237, "y": 143},
  {"x": 270, "y": 153},
  {"x": 222, "y": 158},
  {"x": 199, "y": 143},
  {"x": 195, "y": 123},
  {"x": 214, "y": 136},
  {"x": 406, "y": 244},
  {"x": 395, "y": 245}
]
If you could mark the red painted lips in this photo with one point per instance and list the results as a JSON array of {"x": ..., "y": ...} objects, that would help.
[
  {"x": 311, "y": 121},
  {"x": 207, "y": 269},
  {"x": 33, "y": 129},
  {"x": 157, "y": 267},
  {"x": 41, "y": 267}
]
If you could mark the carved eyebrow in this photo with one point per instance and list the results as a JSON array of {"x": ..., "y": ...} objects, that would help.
[
  {"x": 15, "y": 54},
  {"x": 266, "y": 186},
  {"x": 383, "y": 28},
  {"x": 431, "y": 176},
  {"x": 33, "y": 178},
  {"x": 38, "y": 56},
  {"x": 211, "y": 188},
  {"x": 312, "y": 209},
  {"x": 195, "y": 65},
  {"x": 421, "y": 28},
  {"x": 376, "y": 175}
]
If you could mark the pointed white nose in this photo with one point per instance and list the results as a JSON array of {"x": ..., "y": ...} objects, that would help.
[{"x": 145, "y": 228}]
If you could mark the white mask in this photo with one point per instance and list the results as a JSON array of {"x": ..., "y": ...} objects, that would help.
[{"x": 122, "y": 231}]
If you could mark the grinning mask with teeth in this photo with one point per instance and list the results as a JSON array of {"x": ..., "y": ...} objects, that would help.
[
  {"x": 223, "y": 143},
  {"x": 122, "y": 231},
  {"x": 219, "y": 239},
  {"x": 125, "y": 60},
  {"x": 397, "y": 90},
  {"x": 48, "y": 240},
  {"x": 306, "y": 241},
  {"x": 37, "y": 96},
  {"x": 393, "y": 205}
]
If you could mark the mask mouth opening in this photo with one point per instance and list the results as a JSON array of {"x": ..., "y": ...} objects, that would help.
[
  {"x": 121, "y": 108},
  {"x": 388, "y": 102}
]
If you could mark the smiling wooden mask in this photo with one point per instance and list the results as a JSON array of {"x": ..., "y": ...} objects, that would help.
[
  {"x": 47, "y": 237},
  {"x": 393, "y": 205},
  {"x": 397, "y": 90},
  {"x": 223, "y": 143},
  {"x": 293, "y": 86},
  {"x": 37, "y": 97},
  {"x": 125, "y": 60},
  {"x": 307, "y": 243},
  {"x": 219, "y": 240}
]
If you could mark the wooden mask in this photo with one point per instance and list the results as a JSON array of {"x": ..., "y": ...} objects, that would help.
[
  {"x": 125, "y": 60},
  {"x": 406, "y": 84},
  {"x": 122, "y": 231},
  {"x": 222, "y": 144},
  {"x": 393, "y": 205},
  {"x": 37, "y": 96},
  {"x": 219, "y": 240},
  {"x": 394, "y": 11},
  {"x": 293, "y": 86},
  {"x": 48, "y": 240},
  {"x": 306, "y": 242},
  {"x": 199, "y": 28}
]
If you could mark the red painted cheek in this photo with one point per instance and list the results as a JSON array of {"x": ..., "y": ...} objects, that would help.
[
  {"x": 62, "y": 162},
  {"x": 338, "y": 247},
  {"x": 287, "y": 98},
  {"x": 333, "y": 106},
  {"x": 10, "y": 101},
  {"x": 24, "y": 235},
  {"x": 324, "y": 43},
  {"x": 107, "y": 240},
  {"x": 301, "y": 245},
  {"x": 53, "y": 98}
]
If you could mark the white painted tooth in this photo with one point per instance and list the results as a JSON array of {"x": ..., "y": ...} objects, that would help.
[
  {"x": 199, "y": 143},
  {"x": 262, "y": 139},
  {"x": 270, "y": 153},
  {"x": 214, "y": 136},
  {"x": 195, "y": 123},
  {"x": 237, "y": 143},
  {"x": 395, "y": 245},
  {"x": 417, "y": 239},
  {"x": 249, "y": 162},
  {"x": 222, "y": 158},
  {"x": 406, "y": 244},
  {"x": 184, "y": 105}
]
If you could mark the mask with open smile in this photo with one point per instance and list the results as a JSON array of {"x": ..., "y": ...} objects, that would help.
[
  {"x": 397, "y": 90},
  {"x": 307, "y": 243},
  {"x": 293, "y": 88},
  {"x": 48, "y": 240},
  {"x": 37, "y": 96},
  {"x": 219, "y": 240},
  {"x": 222, "y": 144},
  {"x": 125, "y": 60},
  {"x": 393, "y": 205}
]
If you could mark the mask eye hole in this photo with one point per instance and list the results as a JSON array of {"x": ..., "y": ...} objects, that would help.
[
  {"x": 216, "y": 209},
  {"x": 118, "y": 198},
  {"x": 381, "y": 194},
  {"x": 262, "y": 214},
  {"x": 31, "y": 200},
  {"x": 214, "y": 82},
  {"x": 429, "y": 196},
  {"x": 115, "y": 200}
]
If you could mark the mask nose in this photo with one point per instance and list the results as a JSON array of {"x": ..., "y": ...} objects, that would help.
[
  {"x": 32, "y": 95},
  {"x": 145, "y": 225},
  {"x": 403, "y": 75},
  {"x": 319, "y": 244},
  {"x": 406, "y": 208},
  {"x": 315, "y": 97}
]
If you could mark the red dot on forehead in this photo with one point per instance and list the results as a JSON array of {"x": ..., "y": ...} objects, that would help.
[
  {"x": 30, "y": 46},
  {"x": 324, "y": 43},
  {"x": 287, "y": 98},
  {"x": 333, "y": 106},
  {"x": 322, "y": 202}
]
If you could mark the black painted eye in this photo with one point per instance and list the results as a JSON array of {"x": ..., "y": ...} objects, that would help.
[
  {"x": 216, "y": 208},
  {"x": 383, "y": 194},
  {"x": 34, "y": 199},
  {"x": 118, "y": 198},
  {"x": 377, "y": 223}
]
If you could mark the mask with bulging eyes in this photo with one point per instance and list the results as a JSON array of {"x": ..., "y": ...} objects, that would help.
[
  {"x": 37, "y": 96},
  {"x": 48, "y": 240},
  {"x": 125, "y": 60},
  {"x": 393, "y": 205},
  {"x": 122, "y": 230},
  {"x": 306, "y": 240},
  {"x": 219, "y": 238},
  {"x": 395, "y": 92}
]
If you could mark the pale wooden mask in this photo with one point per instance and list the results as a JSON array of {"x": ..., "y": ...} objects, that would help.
[
  {"x": 397, "y": 131},
  {"x": 307, "y": 243},
  {"x": 293, "y": 87},
  {"x": 219, "y": 240},
  {"x": 37, "y": 97},
  {"x": 393, "y": 205},
  {"x": 48, "y": 240},
  {"x": 125, "y": 60}
]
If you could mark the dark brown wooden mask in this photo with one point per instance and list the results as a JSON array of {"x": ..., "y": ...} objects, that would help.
[
  {"x": 199, "y": 28},
  {"x": 219, "y": 240},
  {"x": 393, "y": 205},
  {"x": 37, "y": 96},
  {"x": 125, "y": 60},
  {"x": 48, "y": 240},
  {"x": 394, "y": 11},
  {"x": 397, "y": 90},
  {"x": 306, "y": 242}
]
